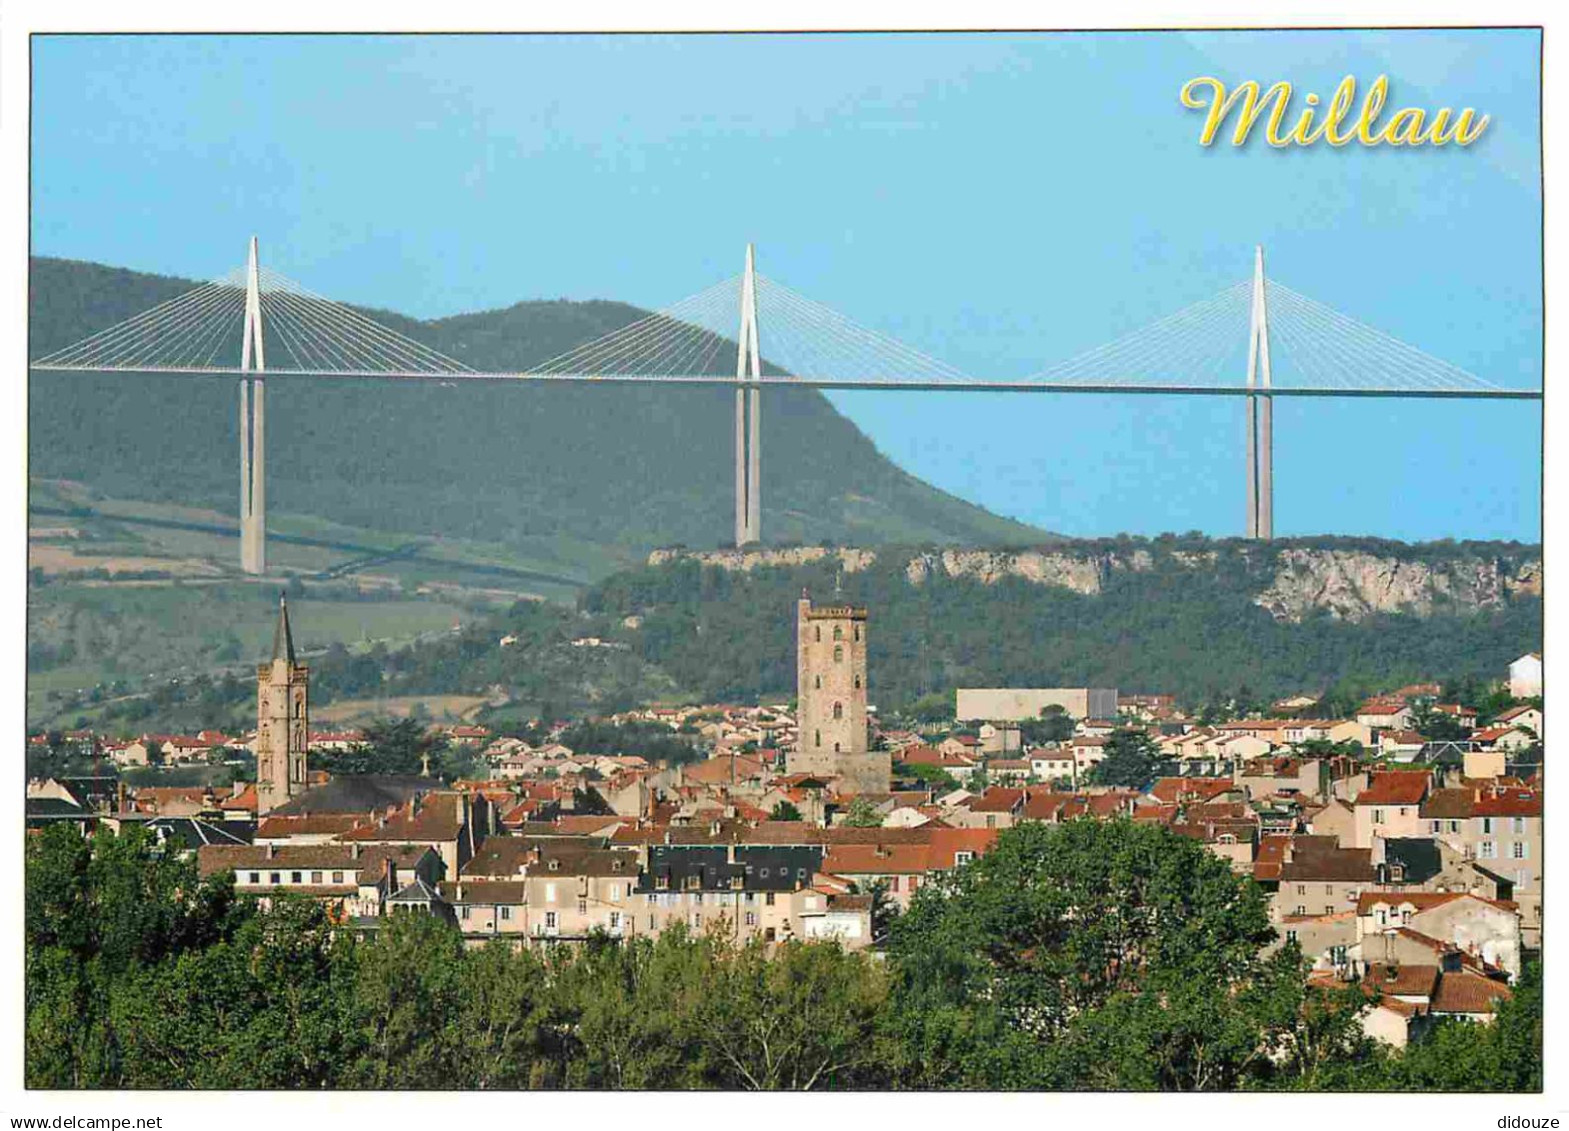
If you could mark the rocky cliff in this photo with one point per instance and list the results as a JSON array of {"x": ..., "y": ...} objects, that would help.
[{"x": 1291, "y": 582}]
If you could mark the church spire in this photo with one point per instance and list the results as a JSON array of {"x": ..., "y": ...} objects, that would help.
[{"x": 282, "y": 638}]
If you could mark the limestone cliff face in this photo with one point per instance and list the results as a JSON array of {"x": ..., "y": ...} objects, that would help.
[
  {"x": 1352, "y": 585},
  {"x": 744, "y": 561},
  {"x": 1082, "y": 573},
  {"x": 1293, "y": 582}
]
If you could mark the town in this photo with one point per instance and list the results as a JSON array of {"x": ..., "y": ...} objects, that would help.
[{"x": 1399, "y": 849}]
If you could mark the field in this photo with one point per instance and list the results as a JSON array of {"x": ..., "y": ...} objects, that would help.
[
  {"x": 124, "y": 596},
  {"x": 440, "y": 708}
]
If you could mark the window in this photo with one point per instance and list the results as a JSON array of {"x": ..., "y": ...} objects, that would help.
[
  {"x": 255, "y": 877},
  {"x": 315, "y": 877},
  {"x": 817, "y": 682},
  {"x": 697, "y": 898},
  {"x": 652, "y": 898},
  {"x": 1301, "y": 889},
  {"x": 1487, "y": 826},
  {"x": 1517, "y": 824},
  {"x": 838, "y": 653},
  {"x": 838, "y": 710},
  {"x": 836, "y": 748},
  {"x": 1291, "y": 936},
  {"x": 857, "y": 681},
  {"x": 1405, "y": 916},
  {"x": 1518, "y": 850},
  {"x": 1378, "y": 816},
  {"x": 582, "y": 907},
  {"x": 506, "y": 914},
  {"x": 818, "y": 631},
  {"x": 1329, "y": 889},
  {"x": 550, "y": 920},
  {"x": 751, "y": 898},
  {"x": 893, "y": 883},
  {"x": 1300, "y": 910},
  {"x": 550, "y": 893},
  {"x": 751, "y": 918},
  {"x": 463, "y": 912},
  {"x": 615, "y": 920},
  {"x": 963, "y": 857},
  {"x": 276, "y": 878},
  {"x": 1435, "y": 826},
  {"x": 838, "y": 632},
  {"x": 1382, "y": 915},
  {"x": 769, "y": 899},
  {"x": 650, "y": 920},
  {"x": 1329, "y": 909},
  {"x": 697, "y": 918},
  {"x": 294, "y": 877},
  {"x": 337, "y": 877},
  {"x": 858, "y": 632},
  {"x": 1486, "y": 850},
  {"x": 817, "y": 737}
]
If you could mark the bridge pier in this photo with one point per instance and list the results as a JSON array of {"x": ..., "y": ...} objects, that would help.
[
  {"x": 1260, "y": 416},
  {"x": 253, "y": 429},
  {"x": 748, "y": 424}
]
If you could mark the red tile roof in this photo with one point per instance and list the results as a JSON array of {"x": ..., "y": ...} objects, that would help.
[{"x": 1395, "y": 787}]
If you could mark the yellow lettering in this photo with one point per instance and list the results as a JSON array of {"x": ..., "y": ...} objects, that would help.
[
  {"x": 1437, "y": 133},
  {"x": 1220, "y": 104},
  {"x": 1405, "y": 128},
  {"x": 1372, "y": 103},
  {"x": 1464, "y": 134},
  {"x": 1339, "y": 106},
  {"x": 1410, "y": 126},
  {"x": 1305, "y": 134}
]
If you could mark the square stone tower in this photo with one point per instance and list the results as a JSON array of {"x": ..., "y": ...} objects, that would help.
[
  {"x": 282, "y": 720},
  {"x": 831, "y": 699}
]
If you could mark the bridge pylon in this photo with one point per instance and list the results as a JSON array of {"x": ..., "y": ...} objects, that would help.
[
  {"x": 1260, "y": 414},
  {"x": 253, "y": 424},
  {"x": 748, "y": 424}
]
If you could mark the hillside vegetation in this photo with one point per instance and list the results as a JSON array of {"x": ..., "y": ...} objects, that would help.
[
  {"x": 688, "y": 630},
  {"x": 620, "y": 468}
]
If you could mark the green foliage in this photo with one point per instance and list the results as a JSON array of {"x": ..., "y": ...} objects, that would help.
[
  {"x": 1054, "y": 725},
  {"x": 784, "y": 811},
  {"x": 642, "y": 466},
  {"x": 1131, "y": 756},
  {"x": 1082, "y": 956},
  {"x": 1196, "y": 633},
  {"x": 863, "y": 815},
  {"x": 391, "y": 746},
  {"x": 651, "y": 741}
]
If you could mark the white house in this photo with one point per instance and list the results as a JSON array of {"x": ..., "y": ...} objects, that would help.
[{"x": 1525, "y": 676}]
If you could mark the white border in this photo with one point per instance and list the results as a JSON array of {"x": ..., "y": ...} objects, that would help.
[{"x": 640, "y": 1111}]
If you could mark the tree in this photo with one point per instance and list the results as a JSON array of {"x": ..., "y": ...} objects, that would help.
[
  {"x": 805, "y": 1018},
  {"x": 784, "y": 811},
  {"x": 391, "y": 746},
  {"x": 1434, "y": 725},
  {"x": 1054, "y": 725},
  {"x": 863, "y": 815},
  {"x": 1032, "y": 959},
  {"x": 1131, "y": 758}
]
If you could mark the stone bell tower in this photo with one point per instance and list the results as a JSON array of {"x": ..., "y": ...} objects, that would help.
[
  {"x": 832, "y": 735},
  {"x": 282, "y": 720}
]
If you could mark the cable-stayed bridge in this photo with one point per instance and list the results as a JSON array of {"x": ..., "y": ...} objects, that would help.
[{"x": 1257, "y": 339}]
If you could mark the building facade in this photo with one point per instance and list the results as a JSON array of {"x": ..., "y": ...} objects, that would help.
[
  {"x": 832, "y": 733},
  {"x": 282, "y": 720}
]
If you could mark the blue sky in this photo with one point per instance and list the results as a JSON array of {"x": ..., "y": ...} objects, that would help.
[{"x": 999, "y": 201}]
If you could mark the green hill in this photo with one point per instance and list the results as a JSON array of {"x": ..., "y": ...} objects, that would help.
[{"x": 621, "y": 468}]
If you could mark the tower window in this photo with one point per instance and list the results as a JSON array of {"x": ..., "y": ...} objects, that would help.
[
  {"x": 836, "y": 748},
  {"x": 817, "y": 681},
  {"x": 838, "y": 632},
  {"x": 817, "y": 632},
  {"x": 857, "y": 681},
  {"x": 838, "y": 653},
  {"x": 838, "y": 710},
  {"x": 858, "y": 632},
  {"x": 817, "y": 737}
]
